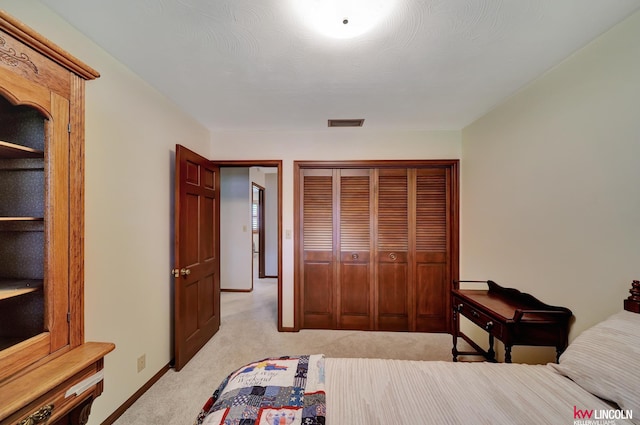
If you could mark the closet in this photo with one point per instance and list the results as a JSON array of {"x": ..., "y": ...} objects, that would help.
[
  {"x": 48, "y": 373},
  {"x": 376, "y": 244}
]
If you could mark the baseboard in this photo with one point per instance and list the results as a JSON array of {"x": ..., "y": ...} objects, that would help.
[
  {"x": 127, "y": 404},
  {"x": 236, "y": 290},
  {"x": 271, "y": 277}
]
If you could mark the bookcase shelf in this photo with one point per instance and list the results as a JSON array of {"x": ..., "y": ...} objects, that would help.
[
  {"x": 10, "y": 288},
  {"x": 13, "y": 151}
]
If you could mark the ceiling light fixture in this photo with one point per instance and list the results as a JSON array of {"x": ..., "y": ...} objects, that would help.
[{"x": 342, "y": 18}]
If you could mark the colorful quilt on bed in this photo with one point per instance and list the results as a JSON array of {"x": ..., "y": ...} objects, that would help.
[{"x": 272, "y": 391}]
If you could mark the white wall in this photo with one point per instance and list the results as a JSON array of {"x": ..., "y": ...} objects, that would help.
[
  {"x": 271, "y": 224},
  {"x": 131, "y": 132},
  {"x": 235, "y": 229},
  {"x": 326, "y": 144},
  {"x": 550, "y": 178}
]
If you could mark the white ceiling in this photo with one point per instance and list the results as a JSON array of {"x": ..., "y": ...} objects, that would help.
[{"x": 255, "y": 65}]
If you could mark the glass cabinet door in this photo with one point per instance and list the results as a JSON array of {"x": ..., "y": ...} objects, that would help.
[{"x": 23, "y": 134}]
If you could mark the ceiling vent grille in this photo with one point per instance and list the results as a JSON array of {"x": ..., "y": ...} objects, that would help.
[{"x": 346, "y": 123}]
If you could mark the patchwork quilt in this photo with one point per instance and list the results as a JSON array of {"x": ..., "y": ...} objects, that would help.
[{"x": 272, "y": 391}]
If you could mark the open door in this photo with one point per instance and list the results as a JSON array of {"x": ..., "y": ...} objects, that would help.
[
  {"x": 257, "y": 206},
  {"x": 197, "y": 254}
]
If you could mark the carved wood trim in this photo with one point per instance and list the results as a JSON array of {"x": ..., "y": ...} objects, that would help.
[
  {"x": 11, "y": 57},
  {"x": 41, "y": 44}
]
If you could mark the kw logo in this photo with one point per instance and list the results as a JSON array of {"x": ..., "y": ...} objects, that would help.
[{"x": 582, "y": 414}]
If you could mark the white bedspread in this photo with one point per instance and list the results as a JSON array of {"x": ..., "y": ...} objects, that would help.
[{"x": 375, "y": 391}]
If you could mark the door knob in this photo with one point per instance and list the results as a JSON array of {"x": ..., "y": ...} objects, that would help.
[{"x": 180, "y": 272}]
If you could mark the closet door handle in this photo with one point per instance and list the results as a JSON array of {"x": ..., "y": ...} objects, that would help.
[{"x": 393, "y": 256}]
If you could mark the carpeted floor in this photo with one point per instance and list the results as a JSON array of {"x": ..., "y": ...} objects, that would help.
[{"x": 248, "y": 332}]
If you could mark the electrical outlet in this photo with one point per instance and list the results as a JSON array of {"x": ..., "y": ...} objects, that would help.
[{"x": 142, "y": 362}]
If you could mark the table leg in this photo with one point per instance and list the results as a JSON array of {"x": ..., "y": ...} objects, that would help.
[
  {"x": 454, "y": 350},
  {"x": 491, "y": 354},
  {"x": 507, "y": 354},
  {"x": 559, "y": 351}
]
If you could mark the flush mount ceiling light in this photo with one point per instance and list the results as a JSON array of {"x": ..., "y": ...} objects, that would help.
[{"x": 342, "y": 18}]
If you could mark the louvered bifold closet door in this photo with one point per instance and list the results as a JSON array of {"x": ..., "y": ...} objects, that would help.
[
  {"x": 355, "y": 289},
  {"x": 393, "y": 297},
  {"x": 318, "y": 295},
  {"x": 431, "y": 252}
]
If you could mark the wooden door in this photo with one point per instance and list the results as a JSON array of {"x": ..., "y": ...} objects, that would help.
[
  {"x": 355, "y": 290},
  {"x": 378, "y": 245},
  {"x": 257, "y": 205},
  {"x": 318, "y": 262},
  {"x": 394, "y": 296},
  {"x": 432, "y": 253},
  {"x": 197, "y": 260}
]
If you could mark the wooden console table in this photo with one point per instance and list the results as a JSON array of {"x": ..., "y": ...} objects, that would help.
[{"x": 513, "y": 317}]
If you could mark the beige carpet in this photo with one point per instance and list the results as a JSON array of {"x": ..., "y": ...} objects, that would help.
[{"x": 248, "y": 332}]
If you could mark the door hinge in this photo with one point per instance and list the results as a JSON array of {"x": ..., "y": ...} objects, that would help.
[
  {"x": 68, "y": 317},
  {"x": 69, "y": 127}
]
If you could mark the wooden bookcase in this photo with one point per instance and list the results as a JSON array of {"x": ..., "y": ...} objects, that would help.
[{"x": 42, "y": 349}]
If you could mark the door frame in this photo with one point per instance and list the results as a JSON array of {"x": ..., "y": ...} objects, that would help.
[
  {"x": 261, "y": 234},
  {"x": 274, "y": 163},
  {"x": 454, "y": 224}
]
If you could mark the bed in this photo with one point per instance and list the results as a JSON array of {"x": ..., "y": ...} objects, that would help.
[{"x": 596, "y": 382}]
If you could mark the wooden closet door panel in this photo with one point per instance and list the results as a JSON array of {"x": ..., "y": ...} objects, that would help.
[
  {"x": 393, "y": 292},
  {"x": 355, "y": 291},
  {"x": 354, "y": 305},
  {"x": 432, "y": 252},
  {"x": 431, "y": 296},
  {"x": 393, "y": 295},
  {"x": 318, "y": 269},
  {"x": 318, "y": 291}
]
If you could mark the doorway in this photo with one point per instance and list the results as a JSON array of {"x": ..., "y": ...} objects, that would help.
[{"x": 272, "y": 225}]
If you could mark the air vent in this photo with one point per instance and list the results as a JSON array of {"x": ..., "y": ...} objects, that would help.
[{"x": 346, "y": 123}]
